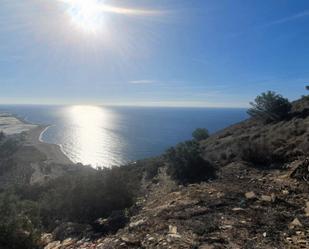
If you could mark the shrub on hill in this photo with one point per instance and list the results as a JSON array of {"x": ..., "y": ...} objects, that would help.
[
  {"x": 82, "y": 198},
  {"x": 19, "y": 222},
  {"x": 261, "y": 155},
  {"x": 306, "y": 97},
  {"x": 200, "y": 134},
  {"x": 270, "y": 107},
  {"x": 85, "y": 198},
  {"x": 186, "y": 165},
  {"x": 148, "y": 168}
]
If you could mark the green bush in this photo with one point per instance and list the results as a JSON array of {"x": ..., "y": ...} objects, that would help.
[
  {"x": 186, "y": 165},
  {"x": 19, "y": 222},
  {"x": 200, "y": 134},
  {"x": 147, "y": 168},
  {"x": 78, "y": 197},
  {"x": 270, "y": 107},
  {"x": 85, "y": 198},
  {"x": 261, "y": 155}
]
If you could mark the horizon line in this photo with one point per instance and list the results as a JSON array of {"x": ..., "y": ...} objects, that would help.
[{"x": 125, "y": 105}]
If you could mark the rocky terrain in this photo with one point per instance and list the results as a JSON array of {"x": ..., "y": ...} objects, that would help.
[
  {"x": 244, "y": 208},
  {"x": 258, "y": 200}
]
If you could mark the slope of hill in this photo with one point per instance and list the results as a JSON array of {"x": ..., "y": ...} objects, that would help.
[{"x": 259, "y": 199}]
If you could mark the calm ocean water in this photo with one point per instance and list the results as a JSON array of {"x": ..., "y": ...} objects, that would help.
[{"x": 105, "y": 136}]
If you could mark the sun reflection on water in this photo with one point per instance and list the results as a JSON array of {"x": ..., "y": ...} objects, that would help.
[{"x": 94, "y": 140}]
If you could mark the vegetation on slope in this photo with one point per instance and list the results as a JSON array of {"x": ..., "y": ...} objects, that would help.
[
  {"x": 84, "y": 197},
  {"x": 186, "y": 165},
  {"x": 270, "y": 107},
  {"x": 200, "y": 134},
  {"x": 20, "y": 222}
]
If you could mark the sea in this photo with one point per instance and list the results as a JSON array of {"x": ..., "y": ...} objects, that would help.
[{"x": 105, "y": 136}]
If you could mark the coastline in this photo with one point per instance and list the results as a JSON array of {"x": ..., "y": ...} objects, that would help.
[
  {"x": 41, "y": 135},
  {"x": 53, "y": 152},
  {"x": 58, "y": 145},
  {"x": 33, "y": 137}
]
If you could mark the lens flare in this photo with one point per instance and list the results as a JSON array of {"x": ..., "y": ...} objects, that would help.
[
  {"x": 86, "y": 15},
  {"x": 89, "y": 15}
]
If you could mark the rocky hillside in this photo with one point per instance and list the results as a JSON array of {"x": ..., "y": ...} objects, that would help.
[
  {"x": 258, "y": 200},
  {"x": 245, "y": 208},
  {"x": 278, "y": 142}
]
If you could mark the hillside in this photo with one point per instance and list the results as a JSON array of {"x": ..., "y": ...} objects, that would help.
[{"x": 258, "y": 200}]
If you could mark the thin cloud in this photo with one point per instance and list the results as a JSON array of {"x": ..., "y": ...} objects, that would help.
[
  {"x": 284, "y": 20},
  {"x": 142, "y": 81},
  {"x": 289, "y": 18}
]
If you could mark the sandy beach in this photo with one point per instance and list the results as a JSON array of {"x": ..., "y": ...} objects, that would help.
[
  {"x": 53, "y": 152},
  {"x": 12, "y": 125}
]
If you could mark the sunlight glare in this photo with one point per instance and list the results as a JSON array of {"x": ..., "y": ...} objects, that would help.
[
  {"x": 89, "y": 15},
  {"x": 86, "y": 14},
  {"x": 94, "y": 141}
]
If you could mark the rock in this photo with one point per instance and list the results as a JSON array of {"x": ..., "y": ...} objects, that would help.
[
  {"x": 68, "y": 242},
  {"x": 172, "y": 229},
  {"x": 266, "y": 198},
  {"x": 250, "y": 195},
  {"x": 295, "y": 223},
  {"x": 100, "y": 245},
  {"x": 237, "y": 209},
  {"x": 171, "y": 237},
  {"x": 69, "y": 230},
  {"x": 53, "y": 245},
  {"x": 226, "y": 227},
  {"x": 130, "y": 240},
  {"x": 307, "y": 209},
  {"x": 112, "y": 224},
  {"x": 264, "y": 234},
  {"x": 46, "y": 238},
  {"x": 151, "y": 239},
  {"x": 137, "y": 223}
]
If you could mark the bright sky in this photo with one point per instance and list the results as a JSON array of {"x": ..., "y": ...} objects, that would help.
[{"x": 153, "y": 53}]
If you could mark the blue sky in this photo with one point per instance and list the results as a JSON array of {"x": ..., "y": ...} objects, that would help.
[{"x": 153, "y": 53}]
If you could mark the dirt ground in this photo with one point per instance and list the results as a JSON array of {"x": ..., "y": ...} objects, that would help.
[{"x": 243, "y": 208}]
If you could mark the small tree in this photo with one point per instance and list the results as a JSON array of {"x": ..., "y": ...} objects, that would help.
[
  {"x": 270, "y": 107},
  {"x": 200, "y": 134},
  {"x": 186, "y": 165}
]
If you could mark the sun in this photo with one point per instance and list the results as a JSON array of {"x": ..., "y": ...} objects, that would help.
[
  {"x": 85, "y": 14},
  {"x": 91, "y": 15}
]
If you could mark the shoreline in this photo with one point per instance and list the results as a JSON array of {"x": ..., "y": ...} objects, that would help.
[
  {"x": 41, "y": 135},
  {"x": 53, "y": 152},
  {"x": 60, "y": 147},
  {"x": 33, "y": 137}
]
